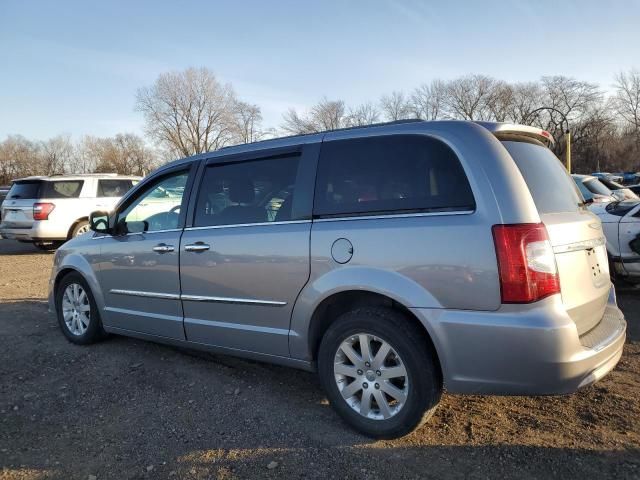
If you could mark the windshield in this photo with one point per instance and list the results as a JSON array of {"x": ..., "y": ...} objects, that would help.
[
  {"x": 551, "y": 187},
  {"x": 621, "y": 208}
]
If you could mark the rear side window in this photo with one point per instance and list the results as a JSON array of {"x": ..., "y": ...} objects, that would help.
[
  {"x": 390, "y": 174},
  {"x": 255, "y": 191},
  {"x": 21, "y": 190},
  {"x": 113, "y": 188},
  {"x": 61, "y": 189},
  {"x": 551, "y": 187}
]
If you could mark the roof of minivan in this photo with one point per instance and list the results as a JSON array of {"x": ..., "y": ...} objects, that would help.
[{"x": 497, "y": 128}]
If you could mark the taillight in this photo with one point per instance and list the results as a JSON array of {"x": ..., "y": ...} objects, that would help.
[
  {"x": 41, "y": 211},
  {"x": 526, "y": 263}
]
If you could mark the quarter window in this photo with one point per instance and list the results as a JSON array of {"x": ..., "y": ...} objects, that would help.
[
  {"x": 256, "y": 191},
  {"x": 390, "y": 174},
  {"x": 61, "y": 189}
]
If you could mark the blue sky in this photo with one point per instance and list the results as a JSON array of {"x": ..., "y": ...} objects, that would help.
[{"x": 74, "y": 66}]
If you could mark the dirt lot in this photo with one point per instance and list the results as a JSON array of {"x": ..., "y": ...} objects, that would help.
[{"x": 131, "y": 409}]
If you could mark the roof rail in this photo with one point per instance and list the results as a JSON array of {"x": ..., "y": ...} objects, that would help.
[{"x": 302, "y": 135}]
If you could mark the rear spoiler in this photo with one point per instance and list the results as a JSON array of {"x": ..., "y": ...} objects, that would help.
[{"x": 523, "y": 130}]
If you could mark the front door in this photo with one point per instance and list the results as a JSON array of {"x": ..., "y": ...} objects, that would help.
[
  {"x": 246, "y": 257},
  {"x": 139, "y": 269}
]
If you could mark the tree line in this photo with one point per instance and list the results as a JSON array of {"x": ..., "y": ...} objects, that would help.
[{"x": 191, "y": 112}]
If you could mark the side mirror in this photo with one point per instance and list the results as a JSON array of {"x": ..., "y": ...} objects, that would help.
[{"x": 99, "y": 222}]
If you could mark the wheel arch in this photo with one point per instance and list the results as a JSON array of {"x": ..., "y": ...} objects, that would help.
[
  {"x": 74, "y": 225},
  {"x": 332, "y": 306},
  {"x": 74, "y": 263}
]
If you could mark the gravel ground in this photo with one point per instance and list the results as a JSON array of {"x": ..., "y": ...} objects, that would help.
[{"x": 132, "y": 409}]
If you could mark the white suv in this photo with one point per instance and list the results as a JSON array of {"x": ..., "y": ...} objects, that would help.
[{"x": 47, "y": 211}]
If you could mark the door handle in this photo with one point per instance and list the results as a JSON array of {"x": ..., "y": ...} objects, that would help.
[
  {"x": 163, "y": 248},
  {"x": 196, "y": 247}
]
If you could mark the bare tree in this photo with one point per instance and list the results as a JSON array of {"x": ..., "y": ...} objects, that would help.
[
  {"x": 189, "y": 112},
  {"x": 395, "y": 106},
  {"x": 125, "y": 154},
  {"x": 469, "y": 98},
  {"x": 248, "y": 120},
  {"x": 19, "y": 157},
  {"x": 426, "y": 101},
  {"x": 56, "y": 155},
  {"x": 626, "y": 100},
  {"x": 323, "y": 116},
  {"x": 362, "y": 115}
]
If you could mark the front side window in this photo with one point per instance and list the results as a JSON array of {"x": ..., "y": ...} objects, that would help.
[
  {"x": 113, "y": 188},
  {"x": 390, "y": 174},
  {"x": 256, "y": 191},
  {"x": 157, "y": 207}
]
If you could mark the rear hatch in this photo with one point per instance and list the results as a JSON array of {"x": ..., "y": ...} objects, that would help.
[
  {"x": 575, "y": 233},
  {"x": 17, "y": 208}
]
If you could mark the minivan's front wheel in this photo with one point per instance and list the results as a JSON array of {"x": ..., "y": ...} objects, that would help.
[
  {"x": 77, "y": 311},
  {"x": 378, "y": 372}
]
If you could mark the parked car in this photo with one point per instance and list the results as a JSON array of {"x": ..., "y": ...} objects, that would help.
[
  {"x": 628, "y": 178},
  {"x": 619, "y": 191},
  {"x": 3, "y": 194},
  {"x": 593, "y": 190},
  {"x": 47, "y": 211},
  {"x": 396, "y": 260},
  {"x": 608, "y": 176},
  {"x": 621, "y": 225}
]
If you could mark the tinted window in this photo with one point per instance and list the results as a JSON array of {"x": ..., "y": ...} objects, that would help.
[
  {"x": 249, "y": 192},
  {"x": 550, "y": 185},
  {"x": 61, "y": 189},
  {"x": 24, "y": 190},
  {"x": 158, "y": 206},
  {"x": 400, "y": 173},
  {"x": 113, "y": 188}
]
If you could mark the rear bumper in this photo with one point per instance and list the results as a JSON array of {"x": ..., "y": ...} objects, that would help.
[
  {"x": 528, "y": 350},
  {"x": 40, "y": 231}
]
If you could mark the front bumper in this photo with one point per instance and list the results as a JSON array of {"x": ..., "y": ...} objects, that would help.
[{"x": 523, "y": 350}]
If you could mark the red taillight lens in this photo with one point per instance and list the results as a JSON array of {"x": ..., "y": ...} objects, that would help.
[
  {"x": 41, "y": 211},
  {"x": 526, "y": 263}
]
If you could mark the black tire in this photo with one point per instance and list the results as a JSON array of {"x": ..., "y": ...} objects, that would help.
[
  {"x": 94, "y": 331},
  {"x": 81, "y": 224},
  {"x": 417, "y": 357}
]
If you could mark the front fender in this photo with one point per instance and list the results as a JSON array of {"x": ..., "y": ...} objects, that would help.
[
  {"x": 357, "y": 278},
  {"x": 82, "y": 263}
]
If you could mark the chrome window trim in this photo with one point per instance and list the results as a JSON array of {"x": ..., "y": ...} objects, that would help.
[
  {"x": 238, "y": 225},
  {"x": 198, "y": 298},
  {"x": 106, "y": 235},
  {"x": 394, "y": 215},
  {"x": 243, "y": 301}
]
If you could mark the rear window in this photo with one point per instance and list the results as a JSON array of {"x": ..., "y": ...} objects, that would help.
[
  {"x": 551, "y": 187},
  {"x": 27, "y": 190},
  {"x": 61, "y": 189},
  {"x": 595, "y": 186},
  {"x": 113, "y": 188},
  {"x": 390, "y": 174}
]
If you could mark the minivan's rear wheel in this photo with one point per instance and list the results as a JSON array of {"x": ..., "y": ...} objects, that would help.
[
  {"x": 77, "y": 312},
  {"x": 378, "y": 372}
]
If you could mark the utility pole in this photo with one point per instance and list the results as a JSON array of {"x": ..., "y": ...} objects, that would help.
[{"x": 567, "y": 142}]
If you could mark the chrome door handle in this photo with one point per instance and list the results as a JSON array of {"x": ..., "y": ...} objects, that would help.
[
  {"x": 196, "y": 247},
  {"x": 163, "y": 248}
]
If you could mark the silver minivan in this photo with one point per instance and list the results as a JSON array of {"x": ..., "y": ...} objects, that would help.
[{"x": 395, "y": 260}]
